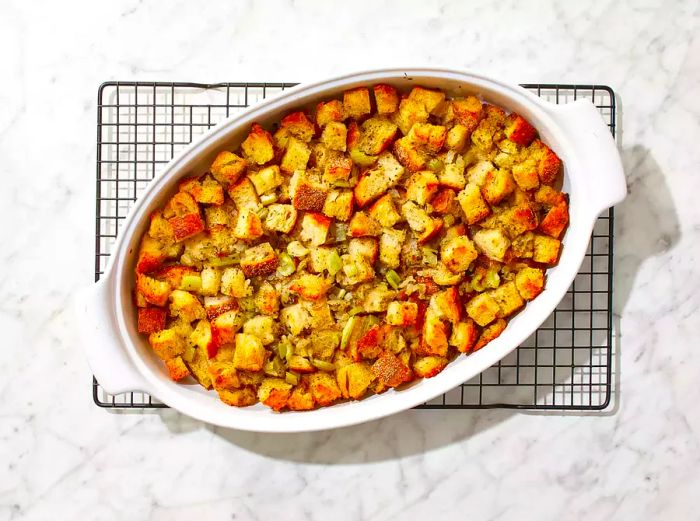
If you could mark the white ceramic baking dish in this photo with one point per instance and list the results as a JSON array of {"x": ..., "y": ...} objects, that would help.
[{"x": 122, "y": 360}]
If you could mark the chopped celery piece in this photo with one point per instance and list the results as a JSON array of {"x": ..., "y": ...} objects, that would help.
[
  {"x": 283, "y": 348},
  {"x": 262, "y": 213},
  {"x": 229, "y": 260},
  {"x": 341, "y": 294},
  {"x": 362, "y": 159},
  {"x": 393, "y": 279},
  {"x": 266, "y": 199},
  {"x": 334, "y": 263},
  {"x": 355, "y": 311},
  {"x": 347, "y": 332},
  {"x": 297, "y": 249},
  {"x": 291, "y": 378},
  {"x": 435, "y": 165},
  {"x": 492, "y": 279},
  {"x": 322, "y": 365},
  {"x": 449, "y": 220},
  {"x": 286, "y": 265},
  {"x": 191, "y": 282}
]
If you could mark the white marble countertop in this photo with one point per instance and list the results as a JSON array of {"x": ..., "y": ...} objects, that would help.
[{"x": 63, "y": 458}]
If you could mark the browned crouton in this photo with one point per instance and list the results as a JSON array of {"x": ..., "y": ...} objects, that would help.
[
  {"x": 258, "y": 147},
  {"x": 429, "y": 99},
  {"x": 354, "y": 379},
  {"x": 314, "y": 228},
  {"x": 233, "y": 283},
  {"x": 378, "y": 180},
  {"x": 518, "y": 220},
  {"x": 519, "y": 130},
  {"x": 280, "y": 218},
  {"x": 249, "y": 354},
  {"x": 318, "y": 259},
  {"x": 384, "y": 212},
  {"x": 329, "y": 111},
  {"x": 411, "y": 111},
  {"x": 447, "y": 304},
  {"x": 473, "y": 204},
  {"x": 339, "y": 204},
  {"x": 356, "y": 102},
  {"x": 309, "y": 196},
  {"x": 334, "y": 136},
  {"x": 248, "y": 225},
  {"x": 311, "y": 287},
  {"x": 215, "y": 306},
  {"x": 548, "y": 163},
  {"x": 421, "y": 187},
  {"x": 390, "y": 371},
  {"x": 546, "y": 249},
  {"x": 337, "y": 168},
  {"x": 491, "y": 332},
  {"x": 464, "y": 335},
  {"x": 376, "y": 136},
  {"x": 390, "y": 244},
  {"x": 274, "y": 392},
  {"x": 266, "y": 179},
  {"x": 525, "y": 174},
  {"x": 362, "y": 225},
  {"x": 177, "y": 370},
  {"x": 402, "y": 313},
  {"x": 429, "y": 366},
  {"x": 386, "y": 98},
  {"x": 467, "y": 112},
  {"x": 237, "y": 397},
  {"x": 228, "y": 167},
  {"x": 151, "y": 320},
  {"x": 267, "y": 299},
  {"x": 301, "y": 398},
  {"x": 483, "y": 309},
  {"x": 243, "y": 195},
  {"x": 458, "y": 253},
  {"x": 296, "y": 156},
  {"x": 498, "y": 185},
  {"x": 324, "y": 388},
  {"x": 259, "y": 260},
  {"x": 205, "y": 191},
  {"x": 456, "y": 138},
  {"x": 435, "y": 331},
  {"x": 453, "y": 176},
  {"x": 409, "y": 155},
  {"x": 529, "y": 282},
  {"x": 167, "y": 343},
  {"x": 153, "y": 291},
  {"x": 223, "y": 331},
  {"x": 508, "y": 299},
  {"x": 297, "y": 124},
  {"x": 555, "y": 221},
  {"x": 185, "y": 305},
  {"x": 365, "y": 246},
  {"x": 523, "y": 245},
  {"x": 444, "y": 201},
  {"x": 151, "y": 255},
  {"x": 492, "y": 242},
  {"x": 356, "y": 269},
  {"x": 430, "y": 137}
]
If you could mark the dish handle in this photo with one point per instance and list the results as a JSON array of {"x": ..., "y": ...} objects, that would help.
[
  {"x": 101, "y": 339},
  {"x": 584, "y": 126}
]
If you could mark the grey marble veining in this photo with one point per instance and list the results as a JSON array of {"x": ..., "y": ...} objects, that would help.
[{"x": 62, "y": 458}]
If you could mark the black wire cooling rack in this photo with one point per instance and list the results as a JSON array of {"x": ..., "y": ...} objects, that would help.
[{"x": 567, "y": 364}]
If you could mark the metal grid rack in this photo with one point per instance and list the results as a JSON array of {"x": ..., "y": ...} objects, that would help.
[{"x": 567, "y": 364}]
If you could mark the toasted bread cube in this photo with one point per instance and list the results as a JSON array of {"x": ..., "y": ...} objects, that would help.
[
  {"x": 274, "y": 392},
  {"x": 453, "y": 176},
  {"x": 429, "y": 366},
  {"x": 309, "y": 196},
  {"x": 447, "y": 304},
  {"x": 473, "y": 204},
  {"x": 211, "y": 281},
  {"x": 301, "y": 398},
  {"x": 337, "y": 168},
  {"x": 201, "y": 335},
  {"x": 261, "y": 327},
  {"x": 508, "y": 299},
  {"x": 173, "y": 274},
  {"x": 467, "y": 112},
  {"x": 223, "y": 375},
  {"x": 365, "y": 246},
  {"x": 458, "y": 253},
  {"x": 356, "y": 102},
  {"x": 384, "y": 212},
  {"x": 215, "y": 306},
  {"x": 228, "y": 167},
  {"x": 429, "y": 99},
  {"x": 492, "y": 242},
  {"x": 518, "y": 130},
  {"x": 409, "y": 155},
  {"x": 186, "y": 226},
  {"x": 555, "y": 221},
  {"x": 376, "y": 136},
  {"x": 421, "y": 187},
  {"x": 310, "y": 287},
  {"x": 386, "y": 98},
  {"x": 390, "y": 243},
  {"x": 379, "y": 179},
  {"x": 489, "y": 333},
  {"x": 153, "y": 291},
  {"x": 517, "y": 220},
  {"x": 266, "y": 180},
  {"x": 259, "y": 260},
  {"x": 464, "y": 335},
  {"x": 497, "y": 186},
  {"x": 362, "y": 225},
  {"x": 223, "y": 331},
  {"x": 300, "y": 364},
  {"x": 219, "y": 215},
  {"x": 314, "y": 228},
  {"x": 354, "y": 379},
  {"x": 180, "y": 204},
  {"x": 151, "y": 255},
  {"x": 548, "y": 163},
  {"x": 339, "y": 204},
  {"x": 234, "y": 284},
  {"x": 391, "y": 371},
  {"x": 411, "y": 111},
  {"x": 167, "y": 343},
  {"x": 483, "y": 309},
  {"x": 529, "y": 282},
  {"x": 525, "y": 175},
  {"x": 334, "y": 136},
  {"x": 457, "y": 138},
  {"x": 280, "y": 218},
  {"x": 296, "y": 156},
  {"x": 318, "y": 259},
  {"x": 243, "y": 195},
  {"x": 248, "y": 225},
  {"x": 267, "y": 299},
  {"x": 258, "y": 147},
  {"x": 324, "y": 388},
  {"x": 430, "y": 137},
  {"x": 296, "y": 318},
  {"x": 237, "y": 397},
  {"x": 186, "y": 306},
  {"x": 151, "y": 320},
  {"x": 548, "y": 196},
  {"x": 324, "y": 344},
  {"x": 417, "y": 218},
  {"x": 402, "y": 314},
  {"x": 546, "y": 249},
  {"x": 206, "y": 191},
  {"x": 444, "y": 201},
  {"x": 177, "y": 370},
  {"x": 249, "y": 354},
  {"x": 353, "y": 145},
  {"x": 523, "y": 246},
  {"x": 477, "y": 173},
  {"x": 356, "y": 269},
  {"x": 160, "y": 229},
  {"x": 435, "y": 331},
  {"x": 298, "y": 125},
  {"x": 329, "y": 111},
  {"x": 378, "y": 298}
]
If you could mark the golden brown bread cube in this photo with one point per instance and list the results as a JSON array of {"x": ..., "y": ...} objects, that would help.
[
  {"x": 329, "y": 111},
  {"x": 314, "y": 228},
  {"x": 296, "y": 318},
  {"x": 354, "y": 379},
  {"x": 205, "y": 190},
  {"x": 223, "y": 331},
  {"x": 301, "y": 398},
  {"x": 362, "y": 225},
  {"x": 447, "y": 304},
  {"x": 258, "y": 147},
  {"x": 421, "y": 187},
  {"x": 308, "y": 195},
  {"x": 266, "y": 179},
  {"x": 248, "y": 225},
  {"x": 529, "y": 282},
  {"x": 228, "y": 167},
  {"x": 166, "y": 343},
  {"x": 153, "y": 291},
  {"x": 492, "y": 242},
  {"x": 186, "y": 306},
  {"x": 386, "y": 98},
  {"x": 339, "y": 204},
  {"x": 517, "y": 220},
  {"x": 390, "y": 243},
  {"x": 267, "y": 299},
  {"x": 186, "y": 226},
  {"x": 435, "y": 331},
  {"x": 356, "y": 102},
  {"x": 555, "y": 221},
  {"x": 324, "y": 388},
  {"x": 262, "y": 327},
  {"x": 508, "y": 299},
  {"x": 430, "y": 137},
  {"x": 274, "y": 392},
  {"x": 280, "y": 218},
  {"x": 335, "y": 135},
  {"x": 444, "y": 201},
  {"x": 378, "y": 180},
  {"x": 473, "y": 204},
  {"x": 483, "y": 309},
  {"x": 237, "y": 397},
  {"x": 464, "y": 335},
  {"x": 249, "y": 354},
  {"x": 525, "y": 174},
  {"x": 338, "y": 167},
  {"x": 376, "y": 136},
  {"x": 391, "y": 371},
  {"x": 410, "y": 111},
  {"x": 177, "y": 370},
  {"x": 428, "y": 98},
  {"x": 368, "y": 247},
  {"x": 546, "y": 249},
  {"x": 523, "y": 245},
  {"x": 259, "y": 260},
  {"x": 548, "y": 163},
  {"x": 518, "y": 130},
  {"x": 310, "y": 287},
  {"x": 458, "y": 253},
  {"x": 429, "y": 366},
  {"x": 297, "y": 124},
  {"x": 457, "y": 138},
  {"x": 151, "y": 320},
  {"x": 402, "y": 313},
  {"x": 384, "y": 211},
  {"x": 491, "y": 332},
  {"x": 243, "y": 195},
  {"x": 151, "y": 255},
  {"x": 498, "y": 185},
  {"x": 453, "y": 176},
  {"x": 467, "y": 112},
  {"x": 356, "y": 269},
  {"x": 318, "y": 259},
  {"x": 296, "y": 156}
]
